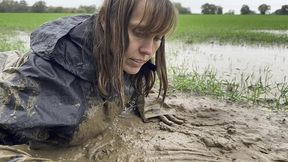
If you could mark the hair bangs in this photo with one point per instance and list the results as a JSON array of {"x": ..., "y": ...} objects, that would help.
[{"x": 158, "y": 21}]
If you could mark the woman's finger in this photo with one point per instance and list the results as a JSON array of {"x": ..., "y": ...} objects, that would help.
[
  {"x": 179, "y": 117},
  {"x": 165, "y": 120},
  {"x": 174, "y": 119}
]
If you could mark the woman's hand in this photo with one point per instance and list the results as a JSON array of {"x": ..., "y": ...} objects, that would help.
[{"x": 153, "y": 110}]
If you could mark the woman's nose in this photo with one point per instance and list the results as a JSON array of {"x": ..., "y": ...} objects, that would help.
[{"x": 147, "y": 47}]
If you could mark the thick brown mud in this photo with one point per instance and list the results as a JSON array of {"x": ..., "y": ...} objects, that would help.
[{"x": 214, "y": 130}]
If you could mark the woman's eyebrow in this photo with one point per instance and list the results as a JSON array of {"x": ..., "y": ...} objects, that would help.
[{"x": 137, "y": 25}]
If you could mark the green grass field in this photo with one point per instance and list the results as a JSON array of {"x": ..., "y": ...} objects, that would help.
[
  {"x": 231, "y": 28},
  {"x": 26, "y": 21},
  {"x": 191, "y": 28}
]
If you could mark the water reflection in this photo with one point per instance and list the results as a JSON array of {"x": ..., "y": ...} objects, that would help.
[{"x": 230, "y": 61}]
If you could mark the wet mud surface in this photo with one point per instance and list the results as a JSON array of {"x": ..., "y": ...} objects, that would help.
[{"x": 214, "y": 131}]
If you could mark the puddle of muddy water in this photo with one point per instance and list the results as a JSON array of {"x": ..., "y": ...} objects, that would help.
[{"x": 230, "y": 61}]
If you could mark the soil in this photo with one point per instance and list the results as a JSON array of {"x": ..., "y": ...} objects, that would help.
[{"x": 214, "y": 131}]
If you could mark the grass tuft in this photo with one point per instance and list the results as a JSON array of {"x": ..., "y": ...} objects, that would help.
[{"x": 249, "y": 89}]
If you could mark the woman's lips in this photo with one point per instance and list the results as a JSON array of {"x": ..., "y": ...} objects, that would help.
[{"x": 137, "y": 62}]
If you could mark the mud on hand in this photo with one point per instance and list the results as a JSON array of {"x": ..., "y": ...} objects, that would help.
[{"x": 153, "y": 109}]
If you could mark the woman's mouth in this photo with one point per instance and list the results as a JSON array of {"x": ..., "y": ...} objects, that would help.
[{"x": 137, "y": 62}]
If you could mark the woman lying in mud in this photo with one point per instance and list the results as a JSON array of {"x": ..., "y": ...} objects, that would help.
[{"x": 83, "y": 71}]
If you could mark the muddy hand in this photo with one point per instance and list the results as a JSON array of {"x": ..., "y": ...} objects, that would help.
[{"x": 171, "y": 119}]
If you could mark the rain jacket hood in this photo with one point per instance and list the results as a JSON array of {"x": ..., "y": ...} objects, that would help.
[{"x": 47, "y": 42}]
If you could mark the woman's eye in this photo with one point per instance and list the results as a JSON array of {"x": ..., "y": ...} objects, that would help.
[
  {"x": 139, "y": 34},
  {"x": 157, "y": 38}
]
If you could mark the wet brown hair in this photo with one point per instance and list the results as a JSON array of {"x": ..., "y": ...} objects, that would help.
[{"x": 111, "y": 41}]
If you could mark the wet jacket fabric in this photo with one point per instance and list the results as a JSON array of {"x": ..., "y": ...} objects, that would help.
[{"x": 46, "y": 94}]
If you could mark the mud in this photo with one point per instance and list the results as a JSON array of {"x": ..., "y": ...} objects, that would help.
[{"x": 214, "y": 131}]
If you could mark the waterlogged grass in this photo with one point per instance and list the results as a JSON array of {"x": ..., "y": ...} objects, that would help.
[
  {"x": 249, "y": 89},
  {"x": 235, "y": 29},
  {"x": 8, "y": 44}
]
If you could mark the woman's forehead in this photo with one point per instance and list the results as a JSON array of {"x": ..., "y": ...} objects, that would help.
[
  {"x": 150, "y": 16},
  {"x": 138, "y": 13}
]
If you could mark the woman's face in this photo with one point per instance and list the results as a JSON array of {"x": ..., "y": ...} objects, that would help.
[{"x": 142, "y": 46}]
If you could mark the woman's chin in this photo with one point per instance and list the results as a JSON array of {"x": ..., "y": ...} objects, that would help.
[{"x": 132, "y": 70}]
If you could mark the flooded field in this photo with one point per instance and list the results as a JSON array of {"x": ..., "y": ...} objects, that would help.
[
  {"x": 259, "y": 71},
  {"x": 230, "y": 61}
]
